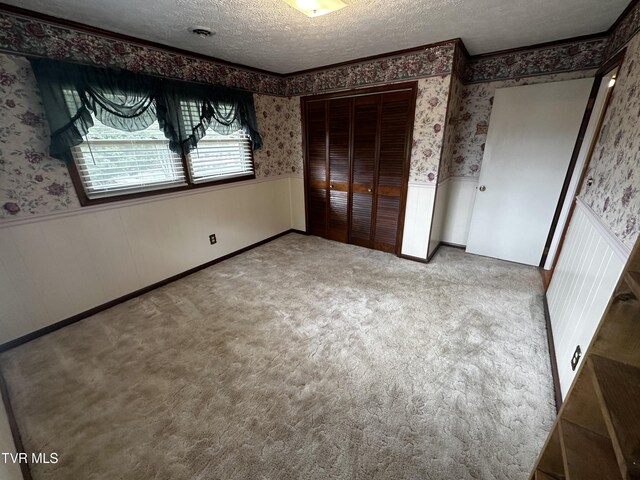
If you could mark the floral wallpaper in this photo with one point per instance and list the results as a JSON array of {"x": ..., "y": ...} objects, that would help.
[
  {"x": 431, "y": 61},
  {"x": 428, "y": 129},
  {"x": 280, "y": 125},
  {"x": 579, "y": 55},
  {"x": 33, "y": 183},
  {"x": 30, "y": 181},
  {"x": 23, "y": 35},
  {"x": 615, "y": 164},
  {"x": 451, "y": 136},
  {"x": 625, "y": 31},
  {"x": 29, "y": 36},
  {"x": 473, "y": 117}
]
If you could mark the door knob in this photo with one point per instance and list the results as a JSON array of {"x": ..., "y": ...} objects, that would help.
[
  {"x": 369, "y": 190},
  {"x": 331, "y": 186},
  {"x": 482, "y": 188}
]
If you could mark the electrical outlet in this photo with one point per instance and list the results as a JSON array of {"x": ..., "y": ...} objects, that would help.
[
  {"x": 576, "y": 358},
  {"x": 212, "y": 239}
]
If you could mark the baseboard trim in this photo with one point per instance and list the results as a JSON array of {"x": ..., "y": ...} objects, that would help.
[
  {"x": 435, "y": 250},
  {"x": 453, "y": 245},
  {"x": 13, "y": 426},
  {"x": 552, "y": 355},
  {"x": 413, "y": 259},
  {"x": 112, "y": 303}
]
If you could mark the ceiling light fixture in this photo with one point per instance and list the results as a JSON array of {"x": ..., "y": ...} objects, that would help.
[
  {"x": 203, "y": 32},
  {"x": 316, "y": 8}
]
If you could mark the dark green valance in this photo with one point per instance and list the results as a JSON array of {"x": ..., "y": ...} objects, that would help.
[{"x": 130, "y": 102}]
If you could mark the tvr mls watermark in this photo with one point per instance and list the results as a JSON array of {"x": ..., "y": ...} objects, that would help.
[{"x": 33, "y": 458}]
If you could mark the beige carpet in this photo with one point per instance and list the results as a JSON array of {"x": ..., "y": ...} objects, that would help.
[{"x": 301, "y": 359}]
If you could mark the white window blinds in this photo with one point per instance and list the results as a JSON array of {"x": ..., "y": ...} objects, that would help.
[
  {"x": 113, "y": 162},
  {"x": 219, "y": 157}
]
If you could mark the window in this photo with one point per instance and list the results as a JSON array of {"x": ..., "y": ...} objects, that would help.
[
  {"x": 217, "y": 156},
  {"x": 112, "y": 163},
  {"x": 220, "y": 157}
]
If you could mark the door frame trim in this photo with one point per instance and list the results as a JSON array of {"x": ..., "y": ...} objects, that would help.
[
  {"x": 357, "y": 92},
  {"x": 615, "y": 62}
]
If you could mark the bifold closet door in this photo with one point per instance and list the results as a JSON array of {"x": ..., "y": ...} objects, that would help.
[
  {"x": 316, "y": 126},
  {"x": 366, "y": 114},
  {"x": 395, "y": 133},
  {"x": 357, "y": 166},
  {"x": 339, "y": 119}
]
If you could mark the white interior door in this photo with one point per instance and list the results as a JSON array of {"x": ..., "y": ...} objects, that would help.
[{"x": 532, "y": 133}]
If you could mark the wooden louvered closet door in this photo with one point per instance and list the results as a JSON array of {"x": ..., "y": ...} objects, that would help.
[
  {"x": 316, "y": 140},
  {"x": 357, "y": 151},
  {"x": 339, "y": 141},
  {"x": 394, "y": 134},
  {"x": 364, "y": 168}
]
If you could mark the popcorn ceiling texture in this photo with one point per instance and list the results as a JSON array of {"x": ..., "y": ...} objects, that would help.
[
  {"x": 269, "y": 34},
  {"x": 244, "y": 370},
  {"x": 23, "y": 35},
  {"x": 33, "y": 183}
]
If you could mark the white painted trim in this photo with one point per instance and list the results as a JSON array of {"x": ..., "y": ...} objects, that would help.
[
  {"x": 7, "y": 223},
  {"x": 464, "y": 179},
  {"x": 459, "y": 179},
  {"x": 422, "y": 185},
  {"x": 617, "y": 245}
]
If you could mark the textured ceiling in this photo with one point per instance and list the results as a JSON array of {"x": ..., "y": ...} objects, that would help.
[{"x": 269, "y": 34}]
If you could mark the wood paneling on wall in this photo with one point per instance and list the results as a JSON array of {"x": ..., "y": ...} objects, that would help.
[
  {"x": 417, "y": 219},
  {"x": 296, "y": 200},
  {"x": 60, "y": 266},
  {"x": 588, "y": 269},
  {"x": 8, "y": 471},
  {"x": 461, "y": 193}
]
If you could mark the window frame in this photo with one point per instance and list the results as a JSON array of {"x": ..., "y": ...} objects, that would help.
[{"x": 191, "y": 185}]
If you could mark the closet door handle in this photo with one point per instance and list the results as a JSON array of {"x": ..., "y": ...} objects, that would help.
[
  {"x": 369, "y": 190},
  {"x": 331, "y": 186}
]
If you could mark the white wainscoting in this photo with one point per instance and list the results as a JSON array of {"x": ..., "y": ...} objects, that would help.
[
  {"x": 461, "y": 193},
  {"x": 588, "y": 269},
  {"x": 54, "y": 267},
  {"x": 417, "y": 219},
  {"x": 596, "y": 115},
  {"x": 8, "y": 471},
  {"x": 296, "y": 189},
  {"x": 452, "y": 214},
  {"x": 440, "y": 211}
]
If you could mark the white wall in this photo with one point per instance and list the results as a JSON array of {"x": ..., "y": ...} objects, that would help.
[
  {"x": 596, "y": 116},
  {"x": 296, "y": 193},
  {"x": 8, "y": 471},
  {"x": 452, "y": 216},
  {"x": 440, "y": 211},
  {"x": 417, "y": 219},
  {"x": 56, "y": 266},
  {"x": 588, "y": 269},
  {"x": 461, "y": 193}
]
